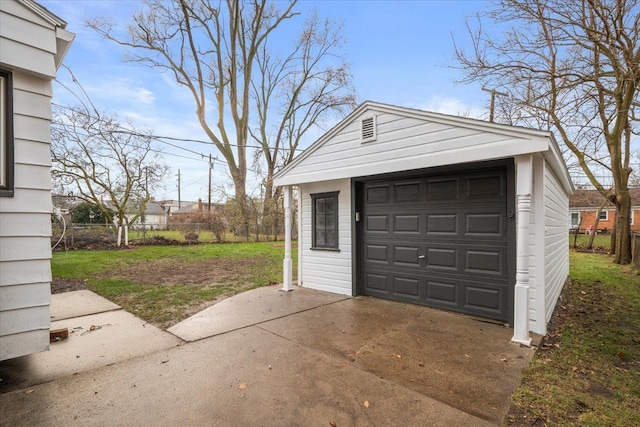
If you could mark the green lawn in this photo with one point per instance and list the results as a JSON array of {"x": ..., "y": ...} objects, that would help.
[
  {"x": 587, "y": 372},
  {"x": 601, "y": 242},
  {"x": 165, "y": 284}
]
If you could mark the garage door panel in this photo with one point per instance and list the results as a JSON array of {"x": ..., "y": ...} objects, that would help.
[
  {"x": 377, "y": 194},
  {"x": 407, "y": 255},
  {"x": 442, "y": 223},
  {"x": 485, "y": 261},
  {"x": 443, "y": 189},
  {"x": 440, "y": 293},
  {"x": 378, "y": 282},
  {"x": 442, "y": 259},
  {"x": 377, "y": 223},
  {"x": 485, "y": 186},
  {"x": 407, "y": 192},
  {"x": 485, "y": 300},
  {"x": 406, "y": 223},
  {"x": 377, "y": 253},
  {"x": 407, "y": 286},
  {"x": 485, "y": 224}
]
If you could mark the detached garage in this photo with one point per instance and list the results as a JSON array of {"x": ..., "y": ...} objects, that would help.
[{"x": 443, "y": 211}]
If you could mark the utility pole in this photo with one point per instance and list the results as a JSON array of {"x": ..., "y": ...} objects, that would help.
[
  {"x": 493, "y": 93},
  {"x": 210, "y": 172},
  {"x": 178, "y": 188}
]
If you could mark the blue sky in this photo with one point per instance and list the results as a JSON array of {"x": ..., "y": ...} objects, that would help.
[{"x": 400, "y": 53}]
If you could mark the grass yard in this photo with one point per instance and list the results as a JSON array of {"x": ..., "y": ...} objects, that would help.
[
  {"x": 601, "y": 242},
  {"x": 587, "y": 371},
  {"x": 166, "y": 284}
]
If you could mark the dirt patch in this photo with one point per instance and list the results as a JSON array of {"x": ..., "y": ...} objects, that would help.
[
  {"x": 63, "y": 284},
  {"x": 169, "y": 272}
]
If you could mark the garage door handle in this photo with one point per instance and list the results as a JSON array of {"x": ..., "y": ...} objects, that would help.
[{"x": 421, "y": 256}]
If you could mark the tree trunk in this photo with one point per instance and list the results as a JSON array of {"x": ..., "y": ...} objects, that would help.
[{"x": 623, "y": 229}]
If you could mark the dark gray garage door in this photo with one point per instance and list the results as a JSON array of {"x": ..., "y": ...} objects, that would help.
[{"x": 440, "y": 241}]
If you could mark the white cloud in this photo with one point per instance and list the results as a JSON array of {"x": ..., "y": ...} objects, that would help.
[{"x": 453, "y": 106}]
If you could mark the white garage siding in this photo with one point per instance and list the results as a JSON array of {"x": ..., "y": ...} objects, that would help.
[
  {"x": 326, "y": 270},
  {"x": 403, "y": 143},
  {"x": 556, "y": 212},
  {"x": 30, "y": 48}
]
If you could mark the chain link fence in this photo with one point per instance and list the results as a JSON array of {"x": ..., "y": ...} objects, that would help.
[{"x": 94, "y": 236}]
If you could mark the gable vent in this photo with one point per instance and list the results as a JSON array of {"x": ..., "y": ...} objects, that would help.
[{"x": 368, "y": 127}]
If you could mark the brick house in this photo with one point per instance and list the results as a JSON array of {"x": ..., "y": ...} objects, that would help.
[{"x": 583, "y": 208}]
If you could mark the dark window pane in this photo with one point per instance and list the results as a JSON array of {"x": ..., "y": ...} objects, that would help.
[
  {"x": 331, "y": 238},
  {"x": 330, "y": 222},
  {"x": 320, "y": 206},
  {"x": 320, "y": 222},
  {"x": 320, "y": 238},
  {"x": 329, "y": 203}
]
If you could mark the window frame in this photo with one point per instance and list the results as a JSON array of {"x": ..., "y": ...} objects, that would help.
[
  {"x": 6, "y": 134},
  {"x": 606, "y": 215},
  {"x": 314, "y": 244},
  {"x": 571, "y": 215}
]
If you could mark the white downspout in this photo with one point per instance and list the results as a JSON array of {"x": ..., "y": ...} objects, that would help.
[
  {"x": 287, "y": 265},
  {"x": 524, "y": 185}
]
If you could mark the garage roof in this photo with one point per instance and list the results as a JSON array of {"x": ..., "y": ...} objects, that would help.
[{"x": 380, "y": 138}]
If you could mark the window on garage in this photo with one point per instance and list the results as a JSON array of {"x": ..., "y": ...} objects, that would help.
[
  {"x": 325, "y": 220},
  {"x": 604, "y": 215}
]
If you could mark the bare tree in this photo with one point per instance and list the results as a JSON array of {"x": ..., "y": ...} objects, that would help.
[
  {"x": 572, "y": 67},
  {"x": 210, "y": 48},
  {"x": 105, "y": 164},
  {"x": 293, "y": 94}
]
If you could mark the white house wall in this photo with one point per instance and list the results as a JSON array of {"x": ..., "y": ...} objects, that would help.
[
  {"x": 556, "y": 240},
  {"x": 326, "y": 270},
  {"x": 28, "y": 49},
  {"x": 28, "y": 41}
]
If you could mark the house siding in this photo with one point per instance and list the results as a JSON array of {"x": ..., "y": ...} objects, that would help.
[
  {"x": 556, "y": 211},
  {"x": 326, "y": 270},
  {"x": 27, "y": 49}
]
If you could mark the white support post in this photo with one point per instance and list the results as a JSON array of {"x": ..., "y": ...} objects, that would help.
[
  {"x": 287, "y": 265},
  {"x": 524, "y": 185}
]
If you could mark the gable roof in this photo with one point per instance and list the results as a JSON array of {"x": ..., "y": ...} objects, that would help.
[
  {"x": 593, "y": 199},
  {"x": 414, "y": 139},
  {"x": 44, "y": 13}
]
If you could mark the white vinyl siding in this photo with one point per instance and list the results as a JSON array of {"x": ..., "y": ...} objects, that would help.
[
  {"x": 28, "y": 47},
  {"x": 326, "y": 270},
  {"x": 556, "y": 210},
  {"x": 28, "y": 42},
  {"x": 404, "y": 143}
]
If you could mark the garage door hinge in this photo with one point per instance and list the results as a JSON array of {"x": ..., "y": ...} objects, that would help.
[{"x": 357, "y": 216}]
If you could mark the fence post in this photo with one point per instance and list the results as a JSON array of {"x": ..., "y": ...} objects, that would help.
[{"x": 635, "y": 249}]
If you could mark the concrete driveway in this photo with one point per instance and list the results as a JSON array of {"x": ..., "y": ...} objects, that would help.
[{"x": 268, "y": 358}]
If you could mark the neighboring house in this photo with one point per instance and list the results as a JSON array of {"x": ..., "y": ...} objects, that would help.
[
  {"x": 154, "y": 216},
  {"x": 584, "y": 205},
  {"x": 33, "y": 43},
  {"x": 432, "y": 209}
]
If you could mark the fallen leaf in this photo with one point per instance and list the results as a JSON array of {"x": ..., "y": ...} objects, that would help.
[
  {"x": 366, "y": 403},
  {"x": 243, "y": 386},
  {"x": 333, "y": 424},
  {"x": 29, "y": 391},
  {"x": 504, "y": 359},
  {"x": 399, "y": 356},
  {"x": 466, "y": 355}
]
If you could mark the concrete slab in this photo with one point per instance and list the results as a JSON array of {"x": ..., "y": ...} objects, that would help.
[
  {"x": 250, "y": 308},
  {"x": 466, "y": 363},
  {"x": 79, "y": 303},
  {"x": 94, "y": 341},
  {"x": 245, "y": 377}
]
